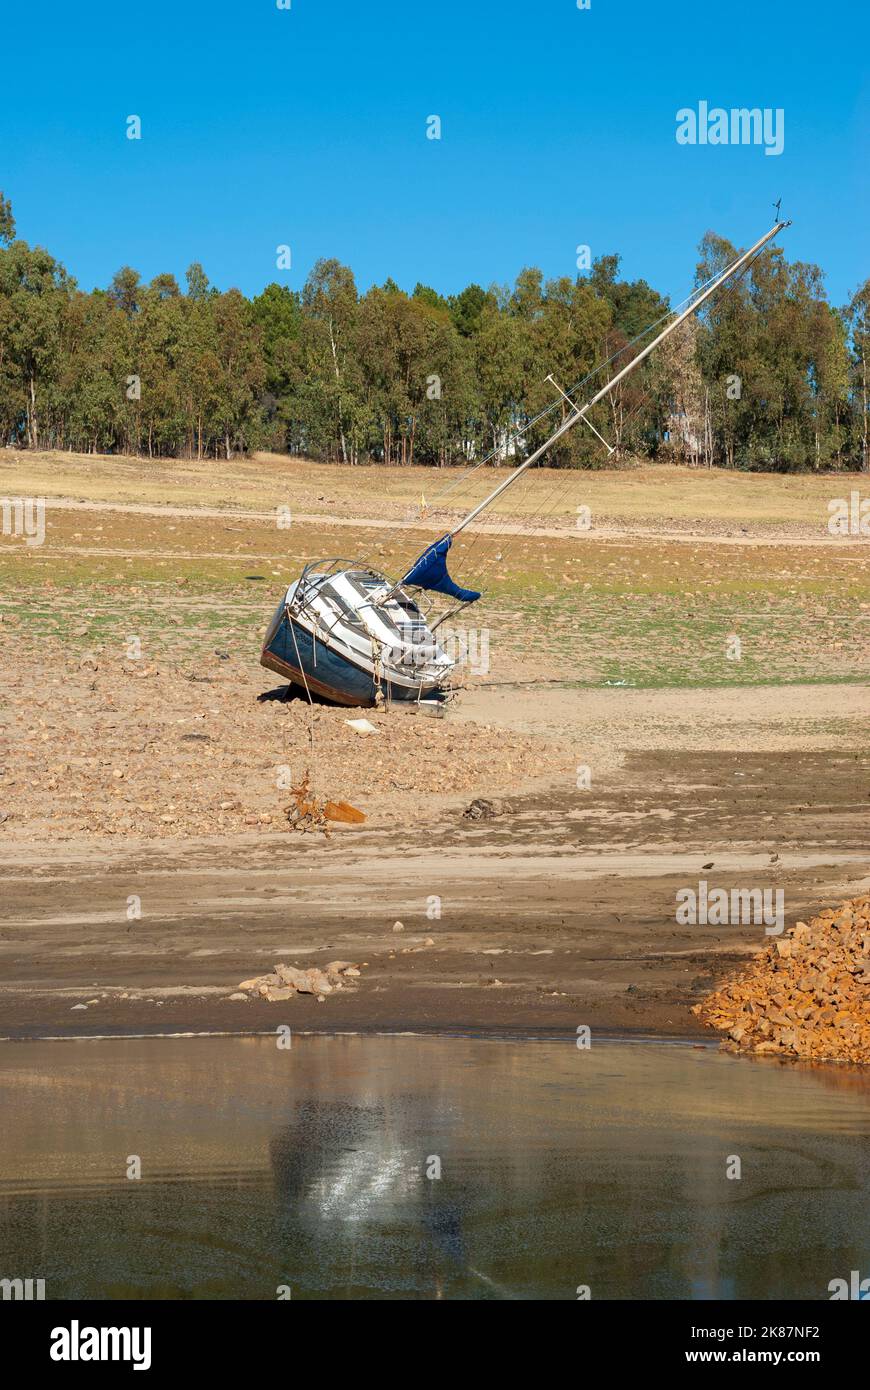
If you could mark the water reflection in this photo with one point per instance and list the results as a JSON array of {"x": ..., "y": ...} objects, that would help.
[{"x": 314, "y": 1167}]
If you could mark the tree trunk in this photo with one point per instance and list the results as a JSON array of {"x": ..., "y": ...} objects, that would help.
[
  {"x": 338, "y": 384},
  {"x": 32, "y": 423},
  {"x": 863, "y": 369}
]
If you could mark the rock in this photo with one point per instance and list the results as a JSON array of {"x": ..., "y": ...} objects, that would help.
[
  {"x": 805, "y": 994},
  {"x": 238, "y": 995},
  {"x": 398, "y": 926},
  {"x": 482, "y": 809},
  {"x": 311, "y": 981},
  {"x": 285, "y": 980}
]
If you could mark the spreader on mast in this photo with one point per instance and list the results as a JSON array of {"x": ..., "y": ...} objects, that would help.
[
  {"x": 429, "y": 570},
  {"x": 580, "y": 412}
]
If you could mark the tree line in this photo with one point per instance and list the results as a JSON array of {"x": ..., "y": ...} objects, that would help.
[{"x": 770, "y": 377}]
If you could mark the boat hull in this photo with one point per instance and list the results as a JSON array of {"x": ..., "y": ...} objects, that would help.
[{"x": 292, "y": 651}]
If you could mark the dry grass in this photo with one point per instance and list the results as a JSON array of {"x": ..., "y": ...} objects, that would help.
[
  {"x": 682, "y": 496},
  {"x": 636, "y": 609},
  {"x": 645, "y": 606}
]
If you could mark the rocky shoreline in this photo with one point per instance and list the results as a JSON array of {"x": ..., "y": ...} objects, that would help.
[{"x": 806, "y": 995}]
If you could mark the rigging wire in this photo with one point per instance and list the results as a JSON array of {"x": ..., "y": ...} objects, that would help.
[
  {"x": 631, "y": 414},
  {"x": 599, "y": 367},
  {"x": 467, "y": 473}
]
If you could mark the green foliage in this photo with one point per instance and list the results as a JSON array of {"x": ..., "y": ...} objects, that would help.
[
  {"x": 197, "y": 281},
  {"x": 125, "y": 290},
  {"x": 423, "y": 378},
  {"x": 774, "y": 334},
  {"x": 7, "y": 221},
  {"x": 467, "y": 307},
  {"x": 856, "y": 322}
]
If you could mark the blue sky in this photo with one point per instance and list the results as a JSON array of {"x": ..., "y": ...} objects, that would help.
[{"x": 307, "y": 127}]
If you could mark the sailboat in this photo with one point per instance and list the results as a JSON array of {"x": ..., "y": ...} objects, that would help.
[{"x": 348, "y": 634}]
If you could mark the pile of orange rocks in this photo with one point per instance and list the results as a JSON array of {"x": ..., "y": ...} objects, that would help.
[{"x": 806, "y": 995}]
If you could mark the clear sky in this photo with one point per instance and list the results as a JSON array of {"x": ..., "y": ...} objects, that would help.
[{"x": 307, "y": 127}]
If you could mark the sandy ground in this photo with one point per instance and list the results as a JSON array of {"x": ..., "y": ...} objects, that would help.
[
  {"x": 711, "y": 531},
  {"x": 657, "y": 498},
  {"x": 146, "y": 866},
  {"x": 215, "y": 746},
  {"x": 558, "y": 911}
]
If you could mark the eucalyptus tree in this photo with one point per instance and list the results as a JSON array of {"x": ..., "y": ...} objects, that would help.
[
  {"x": 34, "y": 288},
  {"x": 241, "y": 373},
  {"x": 857, "y": 319},
  {"x": 329, "y": 302},
  {"x": 770, "y": 376},
  {"x": 7, "y": 221}
]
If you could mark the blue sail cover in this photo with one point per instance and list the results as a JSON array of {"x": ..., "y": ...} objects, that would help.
[{"x": 430, "y": 572}]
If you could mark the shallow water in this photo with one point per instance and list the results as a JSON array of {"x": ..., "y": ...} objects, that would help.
[{"x": 307, "y": 1168}]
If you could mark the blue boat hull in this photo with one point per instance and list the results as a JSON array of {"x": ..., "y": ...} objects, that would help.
[{"x": 292, "y": 651}]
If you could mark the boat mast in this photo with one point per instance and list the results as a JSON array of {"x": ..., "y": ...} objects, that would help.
[{"x": 580, "y": 412}]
